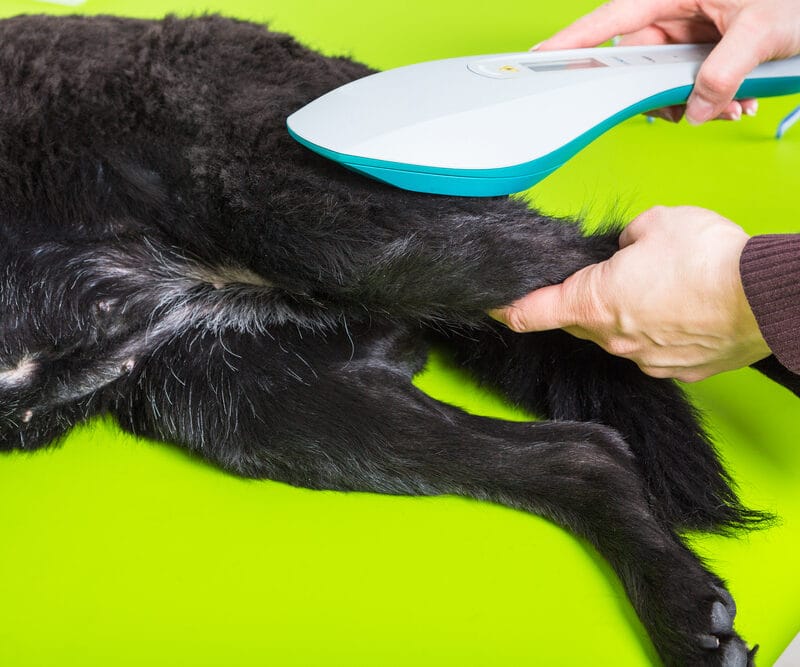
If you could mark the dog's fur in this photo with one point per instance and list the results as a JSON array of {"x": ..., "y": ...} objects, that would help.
[{"x": 171, "y": 256}]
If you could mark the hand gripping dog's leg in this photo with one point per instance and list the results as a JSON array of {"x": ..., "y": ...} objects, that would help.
[{"x": 338, "y": 411}]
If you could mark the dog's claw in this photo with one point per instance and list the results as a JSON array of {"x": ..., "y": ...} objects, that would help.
[
  {"x": 710, "y": 642},
  {"x": 727, "y": 600},
  {"x": 721, "y": 621}
]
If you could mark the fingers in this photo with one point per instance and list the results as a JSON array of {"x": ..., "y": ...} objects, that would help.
[
  {"x": 576, "y": 305},
  {"x": 671, "y": 114},
  {"x": 745, "y": 44},
  {"x": 734, "y": 111},
  {"x": 679, "y": 372},
  {"x": 582, "y": 305},
  {"x": 651, "y": 34},
  {"x": 637, "y": 227},
  {"x": 613, "y": 18},
  {"x": 723, "y": 71},
  {"x": 542, "y": 310},
  {"x": 749, "y": 106}
]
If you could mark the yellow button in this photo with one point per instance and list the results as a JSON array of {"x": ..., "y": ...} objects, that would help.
[{"x": 508, "y": 68}]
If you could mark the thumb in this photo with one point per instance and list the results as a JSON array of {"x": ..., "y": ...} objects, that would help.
[
  {"x": 637, "y": 228},
  {"x": 723, "y": 71},
  {"x": 544, "y": 309}
]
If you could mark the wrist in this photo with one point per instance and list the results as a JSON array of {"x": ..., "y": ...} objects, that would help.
[{"x": 745, "y": 330}]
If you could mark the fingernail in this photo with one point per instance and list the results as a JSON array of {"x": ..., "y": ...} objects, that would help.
[
  {"x": 731, "y": 115},
  {"x": 535, "y": 47},
  {"x": 698, "y": 110},
  {"x": 751, "y": 108},
  {"x": 496, "y": 314}
]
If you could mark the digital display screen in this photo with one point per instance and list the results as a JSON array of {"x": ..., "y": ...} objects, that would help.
[{"x": 556, "y": 65}]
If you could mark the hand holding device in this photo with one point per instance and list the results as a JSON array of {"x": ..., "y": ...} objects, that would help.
[{"x": 749, "y": 32}]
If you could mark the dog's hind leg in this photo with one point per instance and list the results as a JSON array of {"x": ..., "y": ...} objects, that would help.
[
  {"x": 338, "y": 411},
  {"x": 561, "y": 377}
]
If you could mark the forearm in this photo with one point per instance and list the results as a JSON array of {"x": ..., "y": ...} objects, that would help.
[
  {"x": 421, "y": 256},
  {"x": 770, "y": 270}
]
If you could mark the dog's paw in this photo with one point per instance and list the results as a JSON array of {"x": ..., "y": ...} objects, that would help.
[
  {"x": 720, "y": 645},
  {"x": 698, "y": 625},
  {"x": 725, "y": 647}
]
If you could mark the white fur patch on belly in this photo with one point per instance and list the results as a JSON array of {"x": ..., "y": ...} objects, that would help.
[{"x": 18, "y": 375}]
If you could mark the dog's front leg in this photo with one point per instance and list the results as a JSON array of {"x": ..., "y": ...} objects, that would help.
[{"x": 364, "y": 247}]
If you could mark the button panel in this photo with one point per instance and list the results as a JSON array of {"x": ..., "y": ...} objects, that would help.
[{"x": 518, "y": 65}]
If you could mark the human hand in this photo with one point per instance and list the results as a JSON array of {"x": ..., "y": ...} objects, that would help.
[
  {"x": 749, "y": 32},
  {"x": 671, "y": 299}
]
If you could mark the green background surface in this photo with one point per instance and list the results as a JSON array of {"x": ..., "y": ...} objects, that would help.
[{"x": 116, "y": 551}]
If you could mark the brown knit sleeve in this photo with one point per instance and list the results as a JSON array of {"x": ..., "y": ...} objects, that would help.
[{"x": 770, "y": 270}]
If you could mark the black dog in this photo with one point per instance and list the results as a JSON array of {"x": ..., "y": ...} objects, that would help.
[{"x": 172, "y": 257}]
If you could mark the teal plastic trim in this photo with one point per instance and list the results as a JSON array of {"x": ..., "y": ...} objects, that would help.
[
  {"x": 515, "y": 178},
  {"x": 457, "y": 184}
]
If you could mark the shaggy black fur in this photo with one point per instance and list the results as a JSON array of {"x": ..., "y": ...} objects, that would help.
[{"x": 171, "y": 256}]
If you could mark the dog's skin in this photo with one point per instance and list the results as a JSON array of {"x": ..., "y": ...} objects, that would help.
[{"x": 172, "y": 257}]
